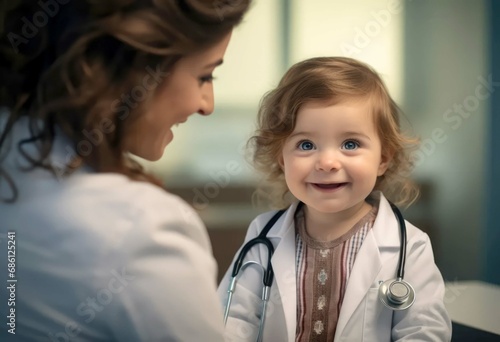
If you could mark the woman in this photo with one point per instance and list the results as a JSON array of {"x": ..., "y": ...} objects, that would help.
[{"x": 98, "y": 251}]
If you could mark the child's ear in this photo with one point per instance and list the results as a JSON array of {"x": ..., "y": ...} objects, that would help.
[
  {"x": 281, "y": 162},
  {"x": 385, "y": 161}
]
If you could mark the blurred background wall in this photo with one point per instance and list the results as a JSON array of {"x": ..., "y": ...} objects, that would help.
[
  {"x": 492, "y": 234},
  {"x": 436, "y": 59},
  {"x": 446, "y": 62}
]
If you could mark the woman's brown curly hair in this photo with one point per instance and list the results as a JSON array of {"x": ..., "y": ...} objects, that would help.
[
  {"x": 330, "y": 80},
  {"x": 66, "y": 64}
]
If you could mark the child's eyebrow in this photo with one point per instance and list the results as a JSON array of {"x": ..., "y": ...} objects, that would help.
[
  {"x": 299, "y": 133},
  {"x": 345, "y": 134},
  {"x": 356, "y": 134}
]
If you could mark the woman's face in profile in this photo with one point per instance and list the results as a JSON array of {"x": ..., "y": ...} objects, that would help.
[{"x": 187, "y": 89}]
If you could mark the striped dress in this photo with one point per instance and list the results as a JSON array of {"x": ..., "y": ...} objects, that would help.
[{"x": 323, "y": 269}]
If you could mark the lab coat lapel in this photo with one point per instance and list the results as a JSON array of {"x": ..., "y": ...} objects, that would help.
[
  {"x": 284, "y": 269},
  {"x": 364, "y": 271},
  {"x": 369, "y": 261}
]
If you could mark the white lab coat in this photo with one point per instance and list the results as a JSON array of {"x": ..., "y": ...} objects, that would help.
[
  {"x": 104, "y": 258},
  {"x": 362, "y": 316}
]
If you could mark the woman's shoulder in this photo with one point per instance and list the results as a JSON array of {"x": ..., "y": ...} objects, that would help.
[
  {"x": 141, "y": 203},
  {"x": 107, "y": 208},
  {"x": 117, "y": 188}
]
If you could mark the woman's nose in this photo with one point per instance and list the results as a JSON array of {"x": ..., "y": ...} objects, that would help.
[
  {"x": 207, "y": 101},
  {"x": 328, "y": 161}
]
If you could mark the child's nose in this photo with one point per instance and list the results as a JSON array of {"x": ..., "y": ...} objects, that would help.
[{"x": 328, "y": 161}]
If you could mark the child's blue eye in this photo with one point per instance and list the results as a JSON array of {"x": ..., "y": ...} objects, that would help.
[
  {"x": 305, "y": 145},
  {"x": 350, "y": 145}
]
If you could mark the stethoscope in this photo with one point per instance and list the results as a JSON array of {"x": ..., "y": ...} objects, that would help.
[{"x": 396, "y": 294}]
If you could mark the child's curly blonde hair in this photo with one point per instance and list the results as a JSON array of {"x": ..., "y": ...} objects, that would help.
[{"x": 333, "y": 80}]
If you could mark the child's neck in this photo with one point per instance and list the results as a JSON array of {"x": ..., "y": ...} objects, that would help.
[{"x": 330, "y": 226}]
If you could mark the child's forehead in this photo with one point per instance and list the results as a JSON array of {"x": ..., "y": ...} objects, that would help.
[
  {"x": 339, "y": 118},
  {"x": 314, "y": 115},
  {"x": 364, "y": 102}
]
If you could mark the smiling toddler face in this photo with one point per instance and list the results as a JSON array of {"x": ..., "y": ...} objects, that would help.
[{"x": 333, "y": 157}]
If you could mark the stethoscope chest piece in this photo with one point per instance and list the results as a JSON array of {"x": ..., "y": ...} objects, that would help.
[{"x": 396, "y": 294}]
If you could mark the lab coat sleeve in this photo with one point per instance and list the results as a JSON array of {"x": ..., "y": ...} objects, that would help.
[
  {"x": 166, "y": 283},
  {"x": 427, "y": 320},
  {"x": 244, "y": 315}
]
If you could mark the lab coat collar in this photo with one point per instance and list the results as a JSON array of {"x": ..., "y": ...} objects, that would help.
[
  {"x": 285, "y": 223},
  {"x": 384, "y": 234},
  {"x": 385, "y": 218}
]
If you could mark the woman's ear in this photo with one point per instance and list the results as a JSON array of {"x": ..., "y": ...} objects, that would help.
[{"x": 385, "y": 161}]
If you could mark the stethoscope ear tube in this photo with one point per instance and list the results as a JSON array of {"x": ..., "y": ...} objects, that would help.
[
  {"x": 261, "y": 238},
  {"x": 268, "y": 276},
  {"x": 402, "y": 239}
]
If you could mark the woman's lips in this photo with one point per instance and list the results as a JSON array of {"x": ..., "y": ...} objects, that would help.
[{"x": 328, "y": 186}]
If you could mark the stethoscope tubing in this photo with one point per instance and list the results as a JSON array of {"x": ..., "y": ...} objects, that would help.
[{"x": 402, "y": 240}]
